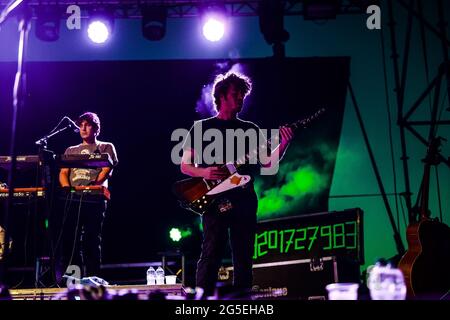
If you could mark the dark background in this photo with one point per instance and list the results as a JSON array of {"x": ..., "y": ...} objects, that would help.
[{"x": 140, "y": 104}]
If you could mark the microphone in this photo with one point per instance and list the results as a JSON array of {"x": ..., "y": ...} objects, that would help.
[{"x": 73, "y": 125}]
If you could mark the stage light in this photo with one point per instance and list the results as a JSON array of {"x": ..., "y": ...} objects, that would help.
[
  {"x": 213, "y": 22},
  {"x": 98, "y": 31},
  {"x": 213, "y": 29},
  {"x": 100, "y": 26},
  {"x": 177, "y": 234},
  {"x": 48, "y": 22},
  {"x": 271, "y": 24},
  {"x": 362, "y": 4},
  {"x": 321, "y": 9},
  {"x": 154, "y": 21}
]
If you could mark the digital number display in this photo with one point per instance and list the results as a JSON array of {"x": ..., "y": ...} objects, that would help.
[
  {"x": 303, "y": 237},
  {"x": 341, "y": 235}
]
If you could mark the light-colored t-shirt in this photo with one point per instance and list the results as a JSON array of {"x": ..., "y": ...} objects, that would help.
[{"x": 84, "y": 176}]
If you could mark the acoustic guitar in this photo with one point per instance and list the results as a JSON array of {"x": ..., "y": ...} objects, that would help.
[{"x": 426, "y": 264}]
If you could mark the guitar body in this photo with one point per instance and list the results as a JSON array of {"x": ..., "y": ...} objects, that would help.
[
  {"x": 197, "y": 194},
  {"x": 425, "y": 265}
]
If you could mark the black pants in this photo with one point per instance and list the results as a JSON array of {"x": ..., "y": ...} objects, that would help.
[
  {"x": 239, "y": 224},
  {"x": 78, "y": 238}
]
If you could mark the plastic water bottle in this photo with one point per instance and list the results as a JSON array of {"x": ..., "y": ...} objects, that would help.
[
  {"x": 159, "y": 276},
  {"x": 386, "y": 283},
  {"x": 151, "y": 276}
]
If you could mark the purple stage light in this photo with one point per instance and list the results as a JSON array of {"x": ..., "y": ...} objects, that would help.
[
  {"x": 98, "y": 31},
  {"x": 213, "y": 28}
]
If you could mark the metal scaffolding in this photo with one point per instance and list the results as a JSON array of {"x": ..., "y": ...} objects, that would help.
[
  {"x": 131, "y": 9},
  {"x": 400, "y": 76}
]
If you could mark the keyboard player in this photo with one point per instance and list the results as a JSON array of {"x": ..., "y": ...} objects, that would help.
[{"x": 78, "y": 240}]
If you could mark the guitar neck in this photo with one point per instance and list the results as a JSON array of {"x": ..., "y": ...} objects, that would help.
[
  {"x": 252, "y": 154},
  {"x": 432, "y": 158},
  {"x": 299, "y": 124}
]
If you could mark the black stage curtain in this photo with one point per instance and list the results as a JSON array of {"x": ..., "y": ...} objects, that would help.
[{"x": 140, "y": 103}]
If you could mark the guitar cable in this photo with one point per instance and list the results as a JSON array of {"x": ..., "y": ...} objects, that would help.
[
  {"x": 65, "y": 213},
  {"x": 76, "y": 230},
  {"x": 67, "y": 203}
]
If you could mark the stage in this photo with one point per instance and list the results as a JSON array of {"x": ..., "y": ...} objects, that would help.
[
  {"x": 118, "y": 292},
  {"x": 253, "y": 149}
]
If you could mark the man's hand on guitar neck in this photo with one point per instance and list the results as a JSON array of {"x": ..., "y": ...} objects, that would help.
[{"x": 286, "y": 135}]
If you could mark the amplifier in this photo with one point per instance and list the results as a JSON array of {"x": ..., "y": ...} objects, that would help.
[
  {"x": 303, "y": 279},
  {"x": 296, "y": 257}
]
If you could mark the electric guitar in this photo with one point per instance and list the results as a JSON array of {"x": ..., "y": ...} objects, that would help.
[{"x": 197, "y": 194}]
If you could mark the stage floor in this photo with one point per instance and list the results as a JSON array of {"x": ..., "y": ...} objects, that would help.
[{"x": 142, "y": 291}]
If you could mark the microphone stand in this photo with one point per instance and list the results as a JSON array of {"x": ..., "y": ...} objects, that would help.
[
  {"x": 47, "y": 170},
  {"x": 42, "y": 143},
  {"x": 19, "y": 95}
]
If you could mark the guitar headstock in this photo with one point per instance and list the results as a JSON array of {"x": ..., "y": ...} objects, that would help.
[{"x": 305, "y": 122}]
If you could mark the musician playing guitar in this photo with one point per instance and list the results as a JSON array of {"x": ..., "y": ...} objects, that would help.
[
  {"x": 79, "y": 237},
  {"x": 234, "y": 212}
]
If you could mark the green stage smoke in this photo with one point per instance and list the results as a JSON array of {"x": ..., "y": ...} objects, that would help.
[{"x": 302, "y": 176}]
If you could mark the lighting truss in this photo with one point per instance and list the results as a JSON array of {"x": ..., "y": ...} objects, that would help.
[{"x": 130, "y": 9}]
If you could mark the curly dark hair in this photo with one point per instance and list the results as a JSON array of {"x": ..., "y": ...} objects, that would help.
[
  {"x": 92, "y": 118},
  {"x": 223, "y": 82}
]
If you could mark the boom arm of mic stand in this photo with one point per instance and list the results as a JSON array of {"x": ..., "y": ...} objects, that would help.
[{"x": 43, "y": 140}]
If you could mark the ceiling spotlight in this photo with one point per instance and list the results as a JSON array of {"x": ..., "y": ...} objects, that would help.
[
  {"x": 321, "y": 9},
  {"x": 100, "y": 26},
  {"x": 271, "y": 25},
  {"x": 98, "y": 31},
  {"x": 213, "y": 29},
  {"x": 214, "y": 23},
  {"x": 48, "y": 22},
  {"x": 154, "y": 21}
]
